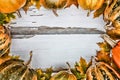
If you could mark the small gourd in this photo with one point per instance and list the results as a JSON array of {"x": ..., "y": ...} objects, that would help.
[
  {"x": 111, "y": 9},
  {"x": 5, "y": 41},
  {"x": 16, "y": 69},
  {"x": 53, "y": 4},
  {"x": 64, "y": 75},
  {"x": 101, "y": 71}
]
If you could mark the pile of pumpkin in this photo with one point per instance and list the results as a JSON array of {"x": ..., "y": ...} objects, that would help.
[{"x": 104, "y": 66}]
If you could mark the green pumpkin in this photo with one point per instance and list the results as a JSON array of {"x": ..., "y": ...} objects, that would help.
[
  {"x": 15, "y": 69},
  {"x": 63, "y": 75}
]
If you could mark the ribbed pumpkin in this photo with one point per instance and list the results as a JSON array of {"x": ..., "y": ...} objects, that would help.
[
  {"x": 9, "y": 6},
  {"x": 16, "y": 69},
  {"x": 53, "y": 4},
  {"x": 112, "y": 16},
  {"x": 112, "y": 13},
  {"x": 90, "y": 4},
  {"x": 5, "y": 41},
  {"x": 93, "y": 5},
  {"x": 101, "y": 71},
  {"x": 64, "y": 75}
]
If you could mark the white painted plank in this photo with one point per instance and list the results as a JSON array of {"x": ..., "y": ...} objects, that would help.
[
  {"x": 55, "y": 50},
  {"x": 69, "y": 17}
]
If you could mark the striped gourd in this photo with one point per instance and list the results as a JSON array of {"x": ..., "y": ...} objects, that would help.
[
  {"x": 5, "y": 41},
  {"x": 16, "y": 69}
]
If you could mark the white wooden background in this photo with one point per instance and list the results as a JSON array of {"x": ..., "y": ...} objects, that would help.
[{"x": 56, "y": 49}]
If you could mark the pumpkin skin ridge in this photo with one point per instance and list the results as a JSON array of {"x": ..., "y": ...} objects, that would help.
[
  {"x": 9, "y": 72},
  {"x": 71, "y": 77},
  {"x": 90, "y": 4},
  {"x": 8, "y": 62},
  {"x": 16, "y": 72},
  {"x": 58, "y": 76},
  {"x": 114, "y": 14},
  {"x": 117, "y": 4},
  {"x": 100, "y": 73},
  {"x": 66, "y": 75},
  {"x": 109, "y": 10},
  {"x": 5, "y": 51},
  {"x": 21, "y": 73},
  {"x": 11, "y": 65},
  {"x": 96, "y": 70},
  {"x": 63, "y": 75},
  {"x": 106, "y": 72},
  {"x": 29, "y": 73},
  {"x": 21, "y": 78},
  {"x": 25, "y": 76},
  {"x": 5, "y": 40},
  {"x": 100, "y": 5},
  {"x": 34, "y": 74}
]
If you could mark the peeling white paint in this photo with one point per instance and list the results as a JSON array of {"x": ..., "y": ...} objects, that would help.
[{"x": 55, "y": 50}]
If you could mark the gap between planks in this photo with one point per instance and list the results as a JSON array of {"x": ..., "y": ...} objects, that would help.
[{"x": 28, "y": 32}]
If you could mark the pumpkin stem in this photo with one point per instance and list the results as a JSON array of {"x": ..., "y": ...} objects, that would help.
[
  {"x": 18, "y": 13},
  {"x": 55, "y": 12},
  {"x": 110, "y": 41},
  {"x": 69, "y": 67},
  {"x": 30, "y": 59},
  {"x": 88, "y": 14}
]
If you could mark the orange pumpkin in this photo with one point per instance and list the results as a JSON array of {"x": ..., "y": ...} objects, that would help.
[
  {"x": 115, "y": 49},
  {"x": 9, "y": 6},
  {"x": 90, "y": 4},
  {"x": 116, "y": 54}
]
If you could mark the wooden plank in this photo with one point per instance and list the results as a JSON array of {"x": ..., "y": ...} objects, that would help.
[
  {"x": 26, "y": 32},
  {"x": 56, "y": 50},
  {"x": 69, "y": 17}
]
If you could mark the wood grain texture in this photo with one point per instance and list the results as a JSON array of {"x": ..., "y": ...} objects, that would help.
[{"x": 55, "y": 50}]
